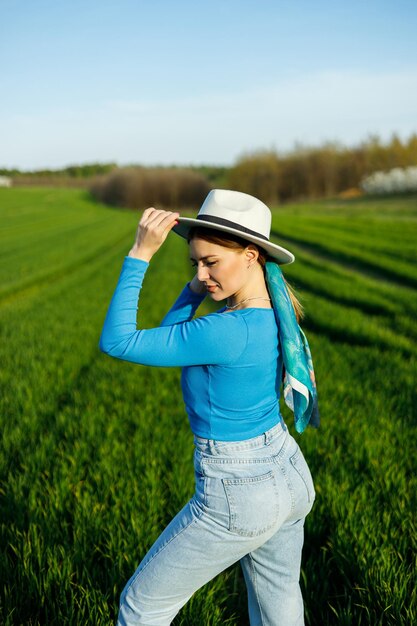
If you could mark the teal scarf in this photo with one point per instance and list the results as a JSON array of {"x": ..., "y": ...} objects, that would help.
[{"x": 300, "y": 391}]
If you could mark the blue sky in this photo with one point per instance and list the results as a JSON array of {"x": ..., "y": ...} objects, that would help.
[{"x": 182, "y": 82}]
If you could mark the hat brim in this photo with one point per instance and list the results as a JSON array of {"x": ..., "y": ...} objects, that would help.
[{"x": 280, "y": 254}]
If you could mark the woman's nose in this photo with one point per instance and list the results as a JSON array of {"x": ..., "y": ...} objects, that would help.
[{"x": 202, "y": 273}]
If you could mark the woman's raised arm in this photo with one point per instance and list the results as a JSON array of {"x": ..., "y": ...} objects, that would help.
[{"x": 210, "y": 339}]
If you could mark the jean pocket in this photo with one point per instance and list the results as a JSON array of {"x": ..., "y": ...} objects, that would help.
[
  {"x": 253, "y": 503},
  {"x": 299, "y": 463}
]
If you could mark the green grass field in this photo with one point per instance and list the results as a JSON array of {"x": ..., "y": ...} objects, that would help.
[{"x": 88, "y": 473}]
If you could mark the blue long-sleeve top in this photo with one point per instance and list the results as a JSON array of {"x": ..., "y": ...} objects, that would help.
[{"x": 231, "y": 363}]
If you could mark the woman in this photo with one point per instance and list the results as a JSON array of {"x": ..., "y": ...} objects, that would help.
[{"x": 253, "y": 486}]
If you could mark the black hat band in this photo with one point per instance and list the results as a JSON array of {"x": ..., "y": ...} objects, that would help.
[{"x": 222, "y": 222}]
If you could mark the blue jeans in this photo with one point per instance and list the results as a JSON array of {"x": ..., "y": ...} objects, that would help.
[{"x": 249, "y": 505}]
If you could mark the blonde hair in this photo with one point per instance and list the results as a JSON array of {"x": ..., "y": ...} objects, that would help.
[{"x": 230, "y": 240}]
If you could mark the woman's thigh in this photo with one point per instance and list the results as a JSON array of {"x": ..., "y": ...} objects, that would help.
[
  {"x": 272, "y": 571},
  {"x": 272, "y": 574},
  {"x": 192, "y": 550}
]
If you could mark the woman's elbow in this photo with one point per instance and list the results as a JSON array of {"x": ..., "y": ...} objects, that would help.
[
  {"x": 108, "y": 347},
  {"x": 121, "y": 347}
]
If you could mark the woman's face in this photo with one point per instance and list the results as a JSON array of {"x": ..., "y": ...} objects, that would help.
[{"x": 224, "y": 271}]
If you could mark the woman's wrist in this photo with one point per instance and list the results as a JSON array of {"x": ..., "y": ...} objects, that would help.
[{"x": 140, "y": 253}]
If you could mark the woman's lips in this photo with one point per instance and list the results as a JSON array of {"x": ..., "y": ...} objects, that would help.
[{"x": 211, "y": 287}]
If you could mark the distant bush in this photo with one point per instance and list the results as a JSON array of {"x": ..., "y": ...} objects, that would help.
[
  {"x": 139, "y": 187},
  {"x": 397, "y": 180}
]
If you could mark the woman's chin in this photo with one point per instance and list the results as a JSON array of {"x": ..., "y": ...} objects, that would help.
[
  {"x": 216, "y": 297},
  {"x": 213, "y": 292}
]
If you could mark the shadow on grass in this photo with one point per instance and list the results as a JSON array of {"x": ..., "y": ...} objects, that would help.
[
  {"x": 364, "y": 306},
  {"x": 348, "y": 261}
]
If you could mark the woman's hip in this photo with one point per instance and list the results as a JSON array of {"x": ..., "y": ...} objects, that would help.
[{"x": 253, "y": 486}]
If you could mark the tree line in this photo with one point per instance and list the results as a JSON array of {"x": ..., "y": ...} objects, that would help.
[
  {"x": 272, "y": 176},
  {"x": 308, "y": 172}
]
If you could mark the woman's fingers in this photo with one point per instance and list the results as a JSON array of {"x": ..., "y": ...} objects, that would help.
[
  {"x": 154, "y": 227},
  {"x": 147, "y": 213},
  {"x": 158, "y": 223},
  {"x": 160, "y": 219}
]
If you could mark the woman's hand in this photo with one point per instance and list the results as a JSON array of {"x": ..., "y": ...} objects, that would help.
[{"x": 152, "y": 231}]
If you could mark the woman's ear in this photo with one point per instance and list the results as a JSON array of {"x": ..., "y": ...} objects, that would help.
[{"x": 251, "y": 254}]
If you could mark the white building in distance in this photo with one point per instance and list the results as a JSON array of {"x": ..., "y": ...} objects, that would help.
[{"x": 5, "y": 181}]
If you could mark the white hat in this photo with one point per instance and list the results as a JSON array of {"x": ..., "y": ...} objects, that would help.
[{"x": 238, "y": 213}]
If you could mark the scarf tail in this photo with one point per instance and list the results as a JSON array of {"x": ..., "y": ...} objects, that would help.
[{"x": 300, "y": 390}]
